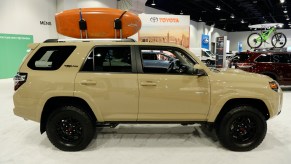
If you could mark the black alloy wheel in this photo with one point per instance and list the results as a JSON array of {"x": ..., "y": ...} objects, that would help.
[
  {"x": 243, "y": 128},
  {"x": 69, "y": 128}
]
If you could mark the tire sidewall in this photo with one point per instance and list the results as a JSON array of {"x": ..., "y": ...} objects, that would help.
[
  {"x": 283, "y": 36},
  {"x": 255, "y": 33},
  {"x": 81, "y": 117},
  {"x": 224, "y": 130}
]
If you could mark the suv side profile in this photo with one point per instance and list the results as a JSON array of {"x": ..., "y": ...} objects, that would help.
[
  {"x": 276, "y": 65},
  {"x": 71, "y": 87}
]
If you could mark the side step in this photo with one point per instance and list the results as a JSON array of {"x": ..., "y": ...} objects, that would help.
[{"x": 111, "y": 125}]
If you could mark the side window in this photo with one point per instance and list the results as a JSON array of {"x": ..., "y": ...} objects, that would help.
[
  {"x": 165, "y": 60},
  {"x": 281, "y": 58},
  {"x": 109, "y": 59},
  {"x": 50, "y": 57},
  {"x": 264, "y": 58}
]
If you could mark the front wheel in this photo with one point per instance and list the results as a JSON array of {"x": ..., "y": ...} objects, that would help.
[
  {"x": 279, "y": 40},
  {"x": 70, "y": 128},
  {"x": 243, "y": 128},
  {"x": 254, "y": 40}
]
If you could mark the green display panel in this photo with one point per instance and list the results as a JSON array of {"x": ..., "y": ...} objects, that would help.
[{"x": 13, "y": 48}]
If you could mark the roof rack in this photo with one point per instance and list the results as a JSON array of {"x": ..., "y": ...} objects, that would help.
[
  {"x": 89, "y": 40},
  {"x": 272, "y": 49}
]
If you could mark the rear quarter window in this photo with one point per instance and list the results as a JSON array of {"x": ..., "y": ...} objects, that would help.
[
  {"x": 281, "y": 58},
  {"x": 263, "y": 58},
  {"x": 50, "y": 57}
]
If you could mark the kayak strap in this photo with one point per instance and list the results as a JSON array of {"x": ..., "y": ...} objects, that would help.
[
  {"x": 82, "y": 25},
  {"x": 118, "y": 25}
]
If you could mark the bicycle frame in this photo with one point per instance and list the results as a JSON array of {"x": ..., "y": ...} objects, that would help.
[{"x": 265, "y": 35}]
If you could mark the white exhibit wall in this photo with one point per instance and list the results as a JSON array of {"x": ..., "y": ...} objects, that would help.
[
  {"x": 235, "y": 37},
  {"x": 70, "y": 4},
  {"x": 24, "y": 17}
]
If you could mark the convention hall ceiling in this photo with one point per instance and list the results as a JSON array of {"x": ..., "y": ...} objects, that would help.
[{"x": 229, "y": 15}]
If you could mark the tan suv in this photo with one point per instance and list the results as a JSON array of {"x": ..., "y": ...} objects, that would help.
[{"x": 72, "y": 86}]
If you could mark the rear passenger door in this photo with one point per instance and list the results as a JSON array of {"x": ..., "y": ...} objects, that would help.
[
  {"x": 108, "y": 80},
  {"x": 282, "y": 63}
]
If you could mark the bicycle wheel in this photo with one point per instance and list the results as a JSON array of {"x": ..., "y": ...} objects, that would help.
[
  {"x": 254, "y": 40},
  {"x": 279, "y": 40}
]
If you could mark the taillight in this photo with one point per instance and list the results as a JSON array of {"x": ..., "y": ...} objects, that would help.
[
  {"x": 19, "y": 79},
  {"x": 244, "y": 65}
]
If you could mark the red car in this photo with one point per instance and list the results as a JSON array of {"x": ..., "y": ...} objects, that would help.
[{"x": 277, "y": 65}]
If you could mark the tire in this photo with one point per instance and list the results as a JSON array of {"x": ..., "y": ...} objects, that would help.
[
  {"x": 242, "y": 129},
  {"x": 208, "y": 63},
  {"x": 70, "y": 129},
  {"x": 254, "y": 40},
  {"x": 279, "y": 38}
]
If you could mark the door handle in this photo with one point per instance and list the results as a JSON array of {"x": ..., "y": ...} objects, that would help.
[
  {"x": 88, "y": 82},
  {"x": 148, "y": 83}
]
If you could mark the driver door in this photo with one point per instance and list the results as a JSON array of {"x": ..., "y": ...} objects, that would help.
[{"x": 172, "y": 94}]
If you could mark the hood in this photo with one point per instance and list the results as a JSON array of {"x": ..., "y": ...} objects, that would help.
[{"x": 239, "y": 76}]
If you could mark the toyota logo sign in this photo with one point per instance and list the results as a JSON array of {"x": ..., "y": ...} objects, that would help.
[{"x": 154, "y": 19}]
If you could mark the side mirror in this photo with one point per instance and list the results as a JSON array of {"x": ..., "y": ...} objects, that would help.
[{"x": 198, "y": 70}]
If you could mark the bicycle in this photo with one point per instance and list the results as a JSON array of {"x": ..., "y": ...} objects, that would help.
[{"x": 278, "y": 40}]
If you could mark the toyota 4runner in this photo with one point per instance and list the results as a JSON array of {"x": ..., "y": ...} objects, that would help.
[{"x": 70, "y": 87}]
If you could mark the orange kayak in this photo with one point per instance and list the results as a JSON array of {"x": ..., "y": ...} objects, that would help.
[{"x": 99, "y": 23}]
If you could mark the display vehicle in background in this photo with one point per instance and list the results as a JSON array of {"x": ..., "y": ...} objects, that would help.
[
  {"x": 273, "y": 63},
  {"x": 205, "y": 55},
  {"x": 70, "y": 87}
]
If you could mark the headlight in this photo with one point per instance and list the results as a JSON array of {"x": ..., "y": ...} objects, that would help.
[{"x": 274, "y": 85}]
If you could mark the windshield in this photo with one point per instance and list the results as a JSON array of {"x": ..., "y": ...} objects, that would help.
[{"x": 209, "y": 53}]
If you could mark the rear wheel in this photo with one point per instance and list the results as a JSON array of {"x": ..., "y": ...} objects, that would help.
[
  {"x": 242, "y": 129},
  {"x": 279, "y": 40},
  {"x": 254, "y": 40},
  {"x": 70, "y": 128}
]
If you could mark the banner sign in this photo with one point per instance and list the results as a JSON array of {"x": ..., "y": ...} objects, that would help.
[
  {"x": 219, "y": 51},
  {"x": 205, "y": 41},
  {"x": 165, "y": 29},
  {"x": 239, "y": 46},
  {"x": 12, "y": 51}
]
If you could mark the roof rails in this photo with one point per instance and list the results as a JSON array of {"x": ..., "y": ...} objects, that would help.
[
  {"x": 89, "y": 40},
  {"x": 272, "y": 49}
]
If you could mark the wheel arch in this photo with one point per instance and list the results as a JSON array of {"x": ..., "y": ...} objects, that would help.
[
  {"x": 232, "y": 103},
  {"x": 270, "y": 74},
  {"x": 55, "y": 102}
]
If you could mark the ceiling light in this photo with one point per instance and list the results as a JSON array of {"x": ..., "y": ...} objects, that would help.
[
  {"x": 181, "y": 12},
  {"x": 218, "y": 8},
  {"x": 232, "y": 16},
  {"x": 287, "y": 17},
  {"x": 200, "y": 20},
  {"x": 289, "y": 23},
  {"x": 285, "y": 11},
  {"x": 153, "y": 4},
  {"x": 242, "y": 21},
  {"x": 224, "y": 27},
  {"x": 282, "y": 1}
]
